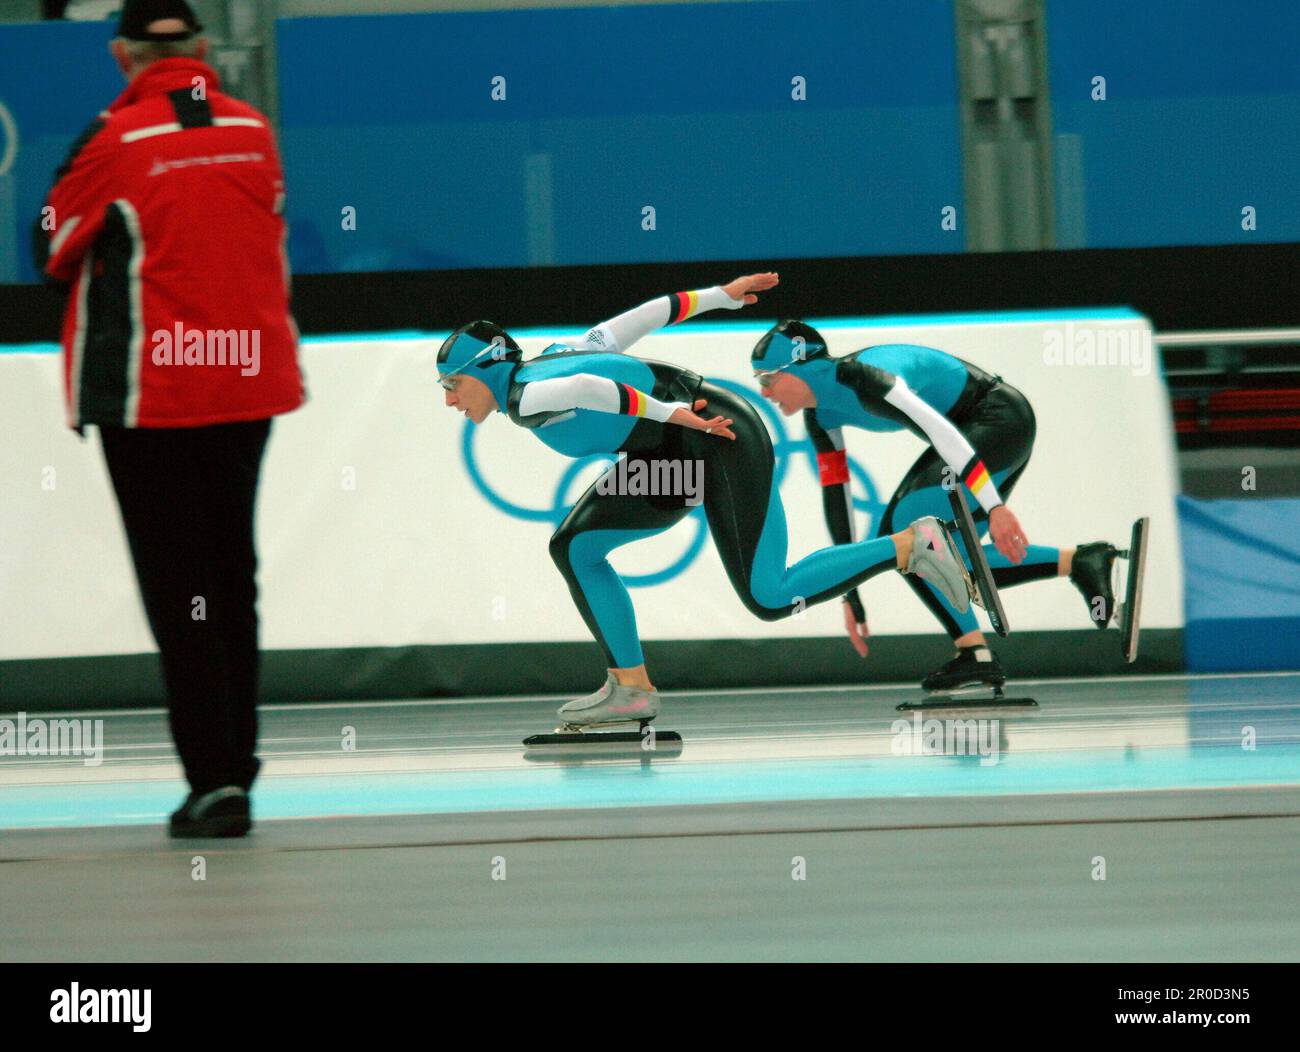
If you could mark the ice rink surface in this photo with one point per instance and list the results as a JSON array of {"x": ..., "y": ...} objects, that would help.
[{"x": 814, "y": 824}]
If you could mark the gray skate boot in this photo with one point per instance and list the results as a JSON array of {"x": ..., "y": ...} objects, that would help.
[
  {"x": 936, "y": 559},
  {"x": 611, "y": 704}
]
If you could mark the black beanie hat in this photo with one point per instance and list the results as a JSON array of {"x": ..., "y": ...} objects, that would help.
[{"x": 138, "y": 15}]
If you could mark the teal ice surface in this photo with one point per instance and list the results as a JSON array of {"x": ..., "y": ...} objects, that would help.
[
  {"x": 1117, "y": 735},
  {"x": 1113, "y": 767},
  {"x": 677, "y": 782},
  {"x": 29, "y": 348},
  {"x": 375, "y": 337}
]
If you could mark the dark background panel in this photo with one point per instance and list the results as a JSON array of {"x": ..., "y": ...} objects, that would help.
[{"x": 1180, "y": 288}]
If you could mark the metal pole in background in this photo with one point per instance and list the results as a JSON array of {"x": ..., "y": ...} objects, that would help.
[
  {"x": 242, "y": 33},
  {"x": 8, "y": 196},
  {"x": 1006, "y": 125}
]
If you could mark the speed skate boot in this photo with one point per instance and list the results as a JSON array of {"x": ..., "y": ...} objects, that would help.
[
  {"x": 974, "y": 666},
  {"x": 613, "y": 703},
  {"x": 1091, "y": 574},
  {"x": 935, "y": 558}
]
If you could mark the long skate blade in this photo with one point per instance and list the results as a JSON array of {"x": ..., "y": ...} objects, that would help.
[
  {"x": 659, "y": 741},
  {"x": 967, "y": 690},
  {"x": 979, "y": 565},
  {"x": 941, "y": 702},
  {"x": 1131, "y": 612}
]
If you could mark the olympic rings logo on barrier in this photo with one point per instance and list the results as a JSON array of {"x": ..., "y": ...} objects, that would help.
[{"x": 784, "y": 448}]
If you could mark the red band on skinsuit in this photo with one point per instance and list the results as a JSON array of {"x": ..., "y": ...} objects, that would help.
[{"x": 833, "y": 467}]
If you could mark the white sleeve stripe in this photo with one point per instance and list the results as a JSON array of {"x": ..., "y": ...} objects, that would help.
[
  {"x": 619, "y": 333},
  {"x": 151, "y": 130},
  {"x": 174, "y": 126},
  {"x": 569, "y": 392},
  {"x": 62, "y": 234},
  {"x": 584, "y": 391},
  {"x": 948, "y": 442}
]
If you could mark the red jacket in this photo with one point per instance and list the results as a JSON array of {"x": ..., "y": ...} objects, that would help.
[{"x": 166, "y": 220}]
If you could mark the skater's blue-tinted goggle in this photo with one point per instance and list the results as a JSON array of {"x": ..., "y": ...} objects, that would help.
[{"x": 767, "y": 377}]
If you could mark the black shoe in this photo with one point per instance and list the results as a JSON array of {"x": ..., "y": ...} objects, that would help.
[
  {"x": 1091, "y": 574},
  {"x": 972, "y": 667},
  {"x": 224, "y": 812}
]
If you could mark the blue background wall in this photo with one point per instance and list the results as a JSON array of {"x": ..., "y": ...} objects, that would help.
[
  {"x": 1202, "y": 117},
  {"x": 1241, "y": 573},
  {"x": 54, "y": 78},
  {"x": 687, "y": 108}
]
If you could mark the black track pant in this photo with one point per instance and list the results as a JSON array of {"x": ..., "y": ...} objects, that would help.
[{"x": 187, "y": 497}]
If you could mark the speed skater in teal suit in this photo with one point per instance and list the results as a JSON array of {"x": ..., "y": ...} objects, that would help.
[{"x": 979, "y": 431}]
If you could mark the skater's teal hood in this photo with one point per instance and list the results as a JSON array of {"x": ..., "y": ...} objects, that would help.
[{"x": 484, "y": 350}]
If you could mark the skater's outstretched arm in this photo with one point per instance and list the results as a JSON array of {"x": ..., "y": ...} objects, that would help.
[
  {"x": 602, "y": 395},
  {"x": 837, "y": 503},
  {"x": 620, "y": 333}
]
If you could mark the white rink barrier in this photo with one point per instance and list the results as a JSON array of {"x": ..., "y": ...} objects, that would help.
[{"x": 374, "y": 532}]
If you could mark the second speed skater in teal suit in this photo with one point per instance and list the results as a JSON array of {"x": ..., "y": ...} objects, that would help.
[{"x": 979, "y": 432}]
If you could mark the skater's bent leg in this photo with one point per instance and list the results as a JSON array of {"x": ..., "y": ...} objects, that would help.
[
  {"x": 962, "y": 627},
  {"x": 777, "y": 590},
  {"x": 747, "y": 521},
  {"x": 598, "y": 523},
  {"x": 1040, "y": 563},
  {"x": 599, "y": 593}
]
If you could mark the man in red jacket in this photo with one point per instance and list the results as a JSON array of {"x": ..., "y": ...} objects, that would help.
[{"x": 165, "y": 227}]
